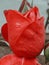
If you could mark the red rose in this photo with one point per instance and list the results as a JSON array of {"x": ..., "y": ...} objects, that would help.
[
  {"x": 25, "y": 32},
  {"x": 11, "y": 59}
]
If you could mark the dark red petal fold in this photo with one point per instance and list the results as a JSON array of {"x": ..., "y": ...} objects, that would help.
[{"x": 4, "y": 31}]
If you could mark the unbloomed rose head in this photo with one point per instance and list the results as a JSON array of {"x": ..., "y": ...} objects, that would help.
[{"x": 25, "y": 32}]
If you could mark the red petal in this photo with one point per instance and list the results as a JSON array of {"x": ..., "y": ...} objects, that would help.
[
  {"x": 31, "y": 62},
  {"x": 4, "y": 31},
  {"x": 10, "y": 59}
]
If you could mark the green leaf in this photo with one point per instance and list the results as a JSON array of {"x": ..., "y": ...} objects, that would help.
[
  {"x": 25, "y": 8},
  {"x": 47, "y": 54},
  {"x": 46, "y": 60},
  {"x": 32, "y": 3}
]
